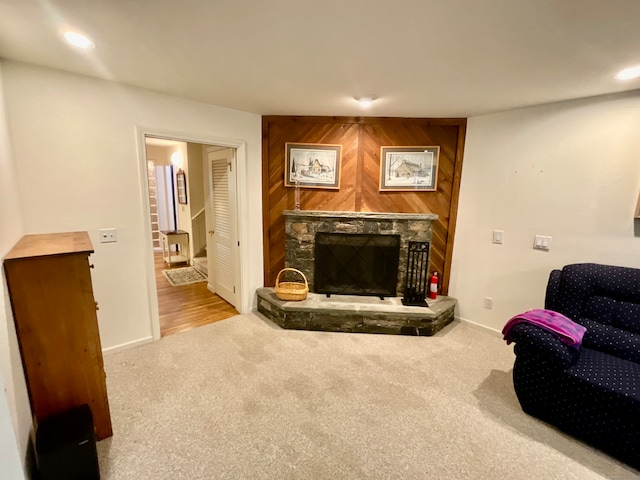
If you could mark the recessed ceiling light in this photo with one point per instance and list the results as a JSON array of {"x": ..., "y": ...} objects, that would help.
[
  {"x": 78, "y": 40},
  {"x": 629, "y": 73},
  {"x": 366, "y": 100}
]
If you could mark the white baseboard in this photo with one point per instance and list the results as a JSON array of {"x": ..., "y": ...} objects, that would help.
[
  {"x": 128, "y": 345},
  {"x": 479, "y": 326}
]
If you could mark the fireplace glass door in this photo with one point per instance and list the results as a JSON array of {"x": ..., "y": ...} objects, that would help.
[{"x": 356, "y": 264}]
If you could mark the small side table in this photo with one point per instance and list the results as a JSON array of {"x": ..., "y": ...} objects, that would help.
[{"x": 175, "y": 237}]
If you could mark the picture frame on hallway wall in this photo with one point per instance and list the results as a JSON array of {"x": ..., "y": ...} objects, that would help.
[
  {"x": 312, "y": 165},
  {"x": 409, "y": 169},
  {"x": 181, "y": 182}
]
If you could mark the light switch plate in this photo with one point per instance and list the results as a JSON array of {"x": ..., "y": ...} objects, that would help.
[
  {"x": 542, "y": 242},
  {"x": 498, "y": 236}
]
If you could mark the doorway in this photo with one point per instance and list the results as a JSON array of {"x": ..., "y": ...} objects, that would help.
[{"x": 184, "y": 199}]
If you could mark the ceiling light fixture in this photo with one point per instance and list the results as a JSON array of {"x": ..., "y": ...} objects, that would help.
[
  {"x": 176, "y": 160},
  {"x": 78, "y": 40},
  {"x": 629, "y": 73},
  {"x": 366, "y": 100}
]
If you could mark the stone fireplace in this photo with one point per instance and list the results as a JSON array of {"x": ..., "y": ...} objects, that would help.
[
  {"x": 301, "y": 227},
  {"x": 348, "y": 312}
]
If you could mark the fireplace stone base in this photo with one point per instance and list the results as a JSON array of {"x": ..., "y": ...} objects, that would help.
[{"x": 356, "y": 314}]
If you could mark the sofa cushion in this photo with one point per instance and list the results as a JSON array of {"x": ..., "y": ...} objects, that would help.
[
  {"x": 616, "y": 376},
  {"x": 606, "y": 294},
  {"x": 628, "y": 317},
  {"x": 611, "y": 340},
  {"x": 581, "y": 282},
  {"x": 608, "y": 311}
]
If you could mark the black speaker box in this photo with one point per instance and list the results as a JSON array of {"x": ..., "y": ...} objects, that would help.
[{"x": 66, "y": 446}]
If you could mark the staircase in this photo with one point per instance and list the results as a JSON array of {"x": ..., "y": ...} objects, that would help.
[{"x": 200, "y": 261}]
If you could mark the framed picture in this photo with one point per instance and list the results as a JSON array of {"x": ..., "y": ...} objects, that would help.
[
  {"x": 312, "y": 165},
  {"x": 181, "y": 181},
  {"x": 408, "y": 168}
]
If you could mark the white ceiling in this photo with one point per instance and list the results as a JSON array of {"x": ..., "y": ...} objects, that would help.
[{"x": 422, "y": 58}]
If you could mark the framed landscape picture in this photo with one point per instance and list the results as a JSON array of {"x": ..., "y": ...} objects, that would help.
[
  {"x": 408, "y": 168},
  {"x": 312, "y": 165}
]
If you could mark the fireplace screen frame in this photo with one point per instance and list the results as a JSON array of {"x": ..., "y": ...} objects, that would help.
[{"x": 356, "y": 252}]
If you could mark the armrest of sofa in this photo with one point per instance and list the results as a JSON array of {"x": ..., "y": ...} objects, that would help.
[
  {"x": 532, "y": 339},
  {"x": 553, "y": 290}
]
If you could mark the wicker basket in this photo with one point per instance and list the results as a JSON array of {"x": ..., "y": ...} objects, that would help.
[{"x": 291, "y": 291}]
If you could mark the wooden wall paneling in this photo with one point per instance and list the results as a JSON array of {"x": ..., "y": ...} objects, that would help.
[
  {"x": 266, "y": 212},
  {"x": 453, "y": 208},
  {"x": 437, "y": 202},
  {"x": 361, "y": 139},
  {"x": 372, "y": 201},
  {"x": 280, "y": 198},
  {"x": 359, "y": 171}
]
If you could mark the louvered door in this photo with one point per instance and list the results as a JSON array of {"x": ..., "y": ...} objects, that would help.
[{"x": 221, "y": 224}]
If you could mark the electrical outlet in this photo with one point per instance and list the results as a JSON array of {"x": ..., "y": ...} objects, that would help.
[
  {"x": 108, "y": 235},
  {"x": 488, "y": 303}
]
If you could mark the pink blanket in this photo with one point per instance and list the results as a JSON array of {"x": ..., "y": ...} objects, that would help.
[{"x": 569, "y": 331}]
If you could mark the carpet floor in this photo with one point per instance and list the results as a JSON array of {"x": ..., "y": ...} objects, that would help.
[
  {"x": 183, "y": 276},
  {"x": 244, "y": 399}
]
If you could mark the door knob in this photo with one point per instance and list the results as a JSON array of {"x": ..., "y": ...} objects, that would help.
[{"x": 211, "y": 232}]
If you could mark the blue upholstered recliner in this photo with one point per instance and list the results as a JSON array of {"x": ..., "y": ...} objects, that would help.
[{"x": 593, "y": 392}]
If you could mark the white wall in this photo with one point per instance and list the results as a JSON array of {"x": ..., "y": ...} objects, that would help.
[
  {"x": 184, "y": 211},
  {"x": 195, "y": 180},
  {"x": 159, "y": 155},
  {"x": 569, "y": 170},
  {"x": 75, "y": 141},
  {"x": 15, "y": 414}
]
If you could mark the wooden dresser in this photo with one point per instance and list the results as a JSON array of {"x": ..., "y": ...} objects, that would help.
[{"x": 54, "y": 311}]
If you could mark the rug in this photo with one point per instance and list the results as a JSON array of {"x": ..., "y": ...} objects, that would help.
[{"x": 183, "y": 276}]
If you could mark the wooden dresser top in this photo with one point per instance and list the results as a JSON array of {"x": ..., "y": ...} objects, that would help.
[{"x": 46, "y": 244}]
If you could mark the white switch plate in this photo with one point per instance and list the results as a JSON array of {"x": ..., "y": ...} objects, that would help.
[
  {"x": 497, "y": 236},
  {"x": 108, "y": 235},
  {"x": 542, "y": 243},
  {"x": 488, "y": 303}
]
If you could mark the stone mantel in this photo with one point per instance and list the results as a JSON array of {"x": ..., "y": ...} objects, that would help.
[
  {"x": 302, "y": 225},
  {"x": 382, "y": 216}
]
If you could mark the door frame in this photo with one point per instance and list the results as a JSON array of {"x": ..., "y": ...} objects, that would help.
[{"x": 241, "y": 181}]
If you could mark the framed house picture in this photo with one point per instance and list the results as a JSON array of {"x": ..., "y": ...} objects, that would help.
[
  {"x": 408, "y": 168},
  {"x": 312, "y": 165}
]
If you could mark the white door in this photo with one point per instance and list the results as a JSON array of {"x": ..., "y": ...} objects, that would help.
[{"x": 222, "y": 238}]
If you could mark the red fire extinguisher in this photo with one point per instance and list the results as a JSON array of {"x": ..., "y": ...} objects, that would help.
[{"x": 433, "y": 286}]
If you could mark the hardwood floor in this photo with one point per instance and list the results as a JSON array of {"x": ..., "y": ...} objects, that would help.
[{"x": 189, "y": 306}]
